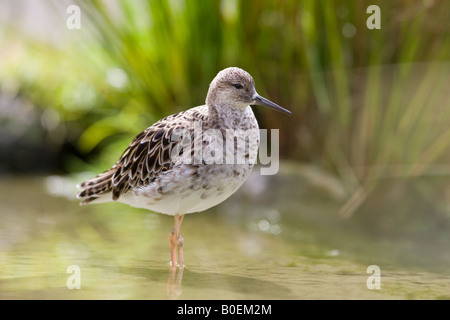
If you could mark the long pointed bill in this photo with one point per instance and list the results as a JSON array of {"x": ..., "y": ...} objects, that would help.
[{"x": 267, "y": 103}]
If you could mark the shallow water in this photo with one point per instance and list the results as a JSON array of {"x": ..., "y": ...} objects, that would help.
[{"x": 278, "y": 238}]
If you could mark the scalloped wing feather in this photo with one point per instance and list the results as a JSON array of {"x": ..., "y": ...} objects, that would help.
[{"x": 147, "y": 156}]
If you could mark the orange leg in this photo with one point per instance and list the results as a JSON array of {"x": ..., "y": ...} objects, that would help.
[
  {"x": 179, "y": 239},
  {"x": 176, "y": 243},
  {"x": 173, "y": 254}
]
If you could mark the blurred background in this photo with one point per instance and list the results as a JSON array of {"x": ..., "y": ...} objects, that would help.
[{"x": 366, "y": 154}]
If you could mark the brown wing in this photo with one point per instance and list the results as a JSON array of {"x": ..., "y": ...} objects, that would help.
[{"x": 148, "y": 155}]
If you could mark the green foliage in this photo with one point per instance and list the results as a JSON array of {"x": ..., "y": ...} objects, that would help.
[{"x": 368, "y": 104}]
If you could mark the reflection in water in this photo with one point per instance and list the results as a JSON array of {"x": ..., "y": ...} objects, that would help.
[
  {"x": 200, "y": 284},
  {"x": 174, "y": 283}
]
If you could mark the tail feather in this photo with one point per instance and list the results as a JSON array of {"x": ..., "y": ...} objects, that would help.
[{"x": 95, "y": 187}]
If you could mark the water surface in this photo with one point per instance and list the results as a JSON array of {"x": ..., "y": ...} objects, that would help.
[{"x": 278, "y": 238}]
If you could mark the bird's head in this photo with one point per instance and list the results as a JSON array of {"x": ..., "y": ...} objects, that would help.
[{"x": 235, "y": 87}]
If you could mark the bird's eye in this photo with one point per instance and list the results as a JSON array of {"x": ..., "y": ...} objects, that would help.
[{"x": 238, "y": 86}]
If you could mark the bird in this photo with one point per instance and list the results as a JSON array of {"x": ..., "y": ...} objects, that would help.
[{"x": 190, "y": 161}]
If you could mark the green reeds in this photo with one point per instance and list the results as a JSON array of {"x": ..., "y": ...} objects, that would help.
[{"x": 367, "y": 104}]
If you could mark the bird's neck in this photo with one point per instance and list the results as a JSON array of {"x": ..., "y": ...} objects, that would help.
[{"x": 229, "y": 117}]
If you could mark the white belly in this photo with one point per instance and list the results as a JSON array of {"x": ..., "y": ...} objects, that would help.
[{"x": 182, "y": 192}]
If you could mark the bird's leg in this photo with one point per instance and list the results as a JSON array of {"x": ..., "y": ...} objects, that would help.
[
  {"x": 173, "y": 245},
  {"x": 179, "y": 239}
]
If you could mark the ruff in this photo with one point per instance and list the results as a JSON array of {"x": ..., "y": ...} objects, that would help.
[{"x": 151, "y": 175}]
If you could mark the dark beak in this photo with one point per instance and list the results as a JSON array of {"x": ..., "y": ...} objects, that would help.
[{"x": 267, "y": 103}]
